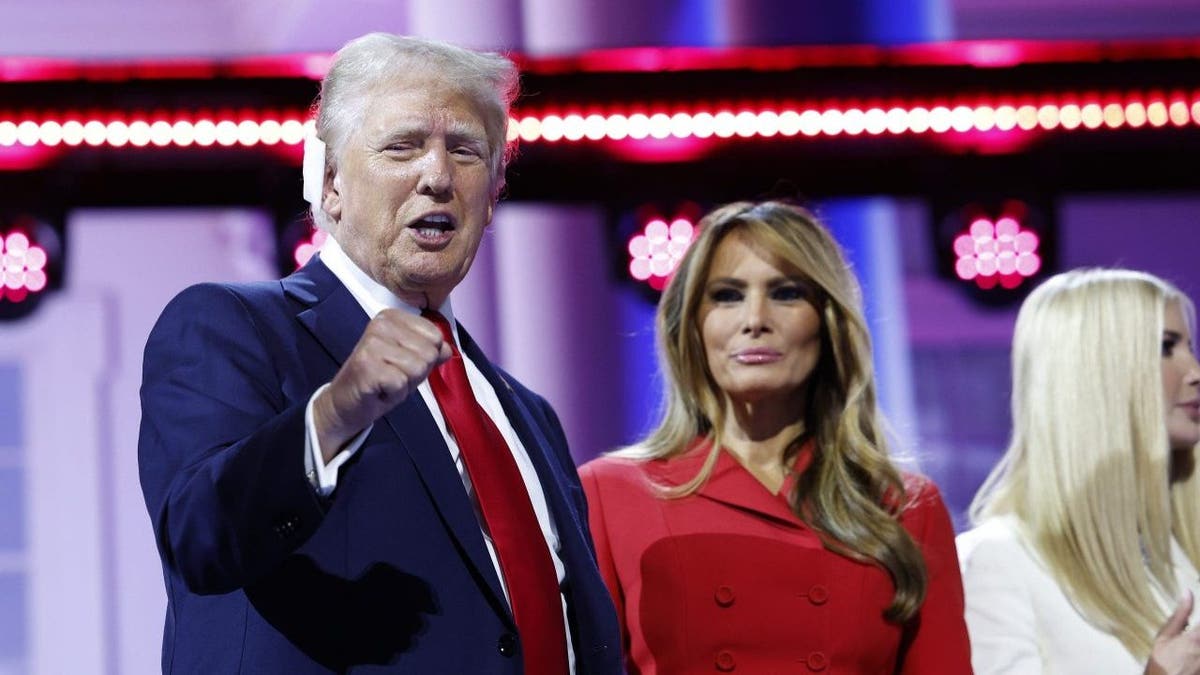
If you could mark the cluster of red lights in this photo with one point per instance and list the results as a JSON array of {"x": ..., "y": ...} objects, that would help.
[
  {"x": 22, "y": 267},
  {"x": 307, "y": 248},
  {"x": 997, "y": 253},
  {"x": 1067, "y": 113},
  {"x": 655, "y": 252}
]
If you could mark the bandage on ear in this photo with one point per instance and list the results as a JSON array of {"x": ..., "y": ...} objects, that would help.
[{"x": 313, "y": 169}]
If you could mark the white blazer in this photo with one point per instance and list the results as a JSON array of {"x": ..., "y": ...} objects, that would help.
[{"x": 1021, "y": 622}]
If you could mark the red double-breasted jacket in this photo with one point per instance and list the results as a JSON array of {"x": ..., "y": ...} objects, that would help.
[{"x": 729, "y": 579}]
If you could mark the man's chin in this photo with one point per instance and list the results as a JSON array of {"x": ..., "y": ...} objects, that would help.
[{"x": 432, "y": 288}]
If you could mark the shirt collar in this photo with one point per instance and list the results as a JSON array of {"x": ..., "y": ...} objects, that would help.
[{"x": 371, "y": 295}]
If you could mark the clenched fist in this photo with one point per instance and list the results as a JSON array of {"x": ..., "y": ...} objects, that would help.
[{"x": 396, "y": 353}]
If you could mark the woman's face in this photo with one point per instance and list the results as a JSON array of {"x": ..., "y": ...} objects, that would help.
[
  {"x": 761, "y": 333},
  {"x": 1181, "y": 380}
]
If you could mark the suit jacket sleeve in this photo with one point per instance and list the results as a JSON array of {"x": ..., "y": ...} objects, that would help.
[
  {"x": 999, "y": 609},
  {"x": 604, "y": 554},
  {"x": 937, "y": 640},
  {"x": 221, "y": 446}
]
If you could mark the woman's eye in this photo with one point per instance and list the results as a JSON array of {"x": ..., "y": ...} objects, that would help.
[
  {"x": 725, "y": 295},
  {"x": 789, "y": 293},
  {"x": 1168, "y": 346}
]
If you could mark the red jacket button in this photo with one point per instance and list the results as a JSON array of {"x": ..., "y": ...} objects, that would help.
[
  {"x": 817, "y": 661},
  {"x": 724, "y": 661},
  {"x": 818, "y": 595},
  {"x": 724, "y": 596}
]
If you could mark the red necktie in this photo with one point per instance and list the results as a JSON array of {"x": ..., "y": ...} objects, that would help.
[{"x": 504, "y": 500}]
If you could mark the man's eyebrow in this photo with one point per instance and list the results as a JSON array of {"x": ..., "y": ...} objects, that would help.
[
  {"x": 415, "y": 129},
  {"x": 405, "y": 130},
  {"x": 469, "y": 132}
]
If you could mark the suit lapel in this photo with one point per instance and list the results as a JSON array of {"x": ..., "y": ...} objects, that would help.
[
  {"x": 332, "y": 314},
  {"x": 337, "y": 321},
  {"x": 418, "y": 434}
]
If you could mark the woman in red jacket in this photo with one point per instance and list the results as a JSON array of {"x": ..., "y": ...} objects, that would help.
[{"x": 762, "y": 526}]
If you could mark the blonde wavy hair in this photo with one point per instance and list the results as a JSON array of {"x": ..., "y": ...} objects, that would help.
[
  {"x": 1086, "y": 472},
  {"x": 851, "y": 495}
]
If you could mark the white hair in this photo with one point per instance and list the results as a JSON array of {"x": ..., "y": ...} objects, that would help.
[{"x": 489, "y": 79}]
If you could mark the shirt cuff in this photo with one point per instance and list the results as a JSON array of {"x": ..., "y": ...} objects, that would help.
[{"x": 322, "y": 476}]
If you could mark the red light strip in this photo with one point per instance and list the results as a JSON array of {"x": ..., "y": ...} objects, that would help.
[
  {"x": 38, "y": 69},
  {"x": 1133, "y": 111},
  {"x": 1064, "y": 113},
  {"x": 118, "y": 131},
  {"x": 978, "y": 53}
]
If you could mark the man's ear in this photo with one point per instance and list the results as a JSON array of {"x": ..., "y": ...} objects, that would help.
[
  {"x": 497, "y": 193},
  {"x": 331, "y": 193}
]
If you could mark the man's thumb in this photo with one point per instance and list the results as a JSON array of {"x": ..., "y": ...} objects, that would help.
[{"x": 1179, "y": 618}]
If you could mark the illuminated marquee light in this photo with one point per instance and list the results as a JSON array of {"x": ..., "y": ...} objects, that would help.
[
  {"x": 1131, "y": 111},
  {"x": 113, "y": 131},
  {"x": 1066, "y": 112},
  {"x": 655, "y": 252},
  {"x": 22, "y": 267},
  {"x": 1000, "y": 252}
]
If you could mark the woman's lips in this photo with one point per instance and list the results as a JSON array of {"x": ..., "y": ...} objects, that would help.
[
  {"x": 1192, "y": 408},
  {"x": 756, "y": 356}
]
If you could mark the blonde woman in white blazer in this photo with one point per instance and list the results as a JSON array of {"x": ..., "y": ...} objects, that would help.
[{"x": 1083, "y": 559}]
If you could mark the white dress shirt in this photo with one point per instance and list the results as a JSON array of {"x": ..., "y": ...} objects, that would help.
[{"x": 374, "y": 298}]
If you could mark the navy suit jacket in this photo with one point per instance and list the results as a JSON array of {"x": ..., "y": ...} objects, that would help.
[{"x": 391, "y": 573}]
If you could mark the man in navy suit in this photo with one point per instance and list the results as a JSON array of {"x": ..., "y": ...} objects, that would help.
[{"x": 310, "y": 501}]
